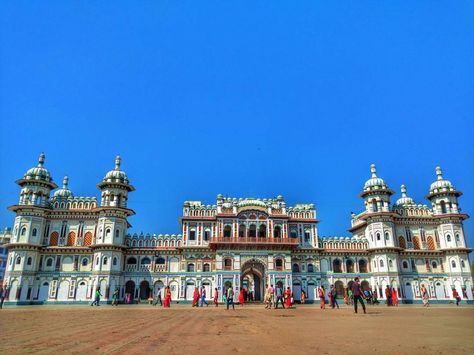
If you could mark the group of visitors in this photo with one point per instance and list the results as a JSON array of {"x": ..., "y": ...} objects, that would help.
[
  {"x": 274, "y": 296},
  {"x": 391, "y": 296}
]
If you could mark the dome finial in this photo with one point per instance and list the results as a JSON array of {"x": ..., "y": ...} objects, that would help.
[
  {"x": 117, "y": 162},
  {"x": 65, "y": 182},
  {"x": 439, "y": 173},
  {"x": 373, "y": 170},
  {"x": 404, "y": 191},
  {"x": 41, "y": 160}
]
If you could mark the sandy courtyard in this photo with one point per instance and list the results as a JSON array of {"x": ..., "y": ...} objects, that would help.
[{"x": 252, "y": 330}]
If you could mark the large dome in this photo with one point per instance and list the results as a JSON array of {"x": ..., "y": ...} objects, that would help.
[
  {"x": 39, "y": 172},
  {"x": 116, "y": 175},
  {"x": 404, "y": 200},
  {"x": 63, "y": 192},
  {"x": 440, "y": 184},
  {"x": 374, "y": 181}
]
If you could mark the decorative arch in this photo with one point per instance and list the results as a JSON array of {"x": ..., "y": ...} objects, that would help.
[
  {"x": 53, "y": 240},
  {"x": 71, "y": 239},
  {"x": 416, "y": 243},
  {"x": 88, "y": 239},
  {"x": 431, "y": 243},
  {"x": 401, "y": 242}
]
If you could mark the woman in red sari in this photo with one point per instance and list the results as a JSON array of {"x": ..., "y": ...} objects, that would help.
[
  {"x": 167, "y": 301},
  {"x": 394, "y": 297},
  {"x": 241, "y": 297},
  {"x": 196, "y": 297},
  {"x": 288, "y": 298}
]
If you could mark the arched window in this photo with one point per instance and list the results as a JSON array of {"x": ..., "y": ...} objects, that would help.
[
  {"x": 29, "y": 261},
  {"x": 35, "y": 231},
  {"x": 190, "y": 267},
  {"x": 279, "y": 264},
  {"x": 227, "y": 231},
  {"x": 378, "y": 236},
  {"x": 227, "y": 264},
  {"x": 131, "y": 261},
  {"x": 307, "y": 236},
  {"x": 242, "y": 231},
  {"x": 49, "y": 262},
  {"x": 23, "y": 231},
  {"x": 293, "y": 233},
  {"x": 115, "y": 261},
  {"x": 146, "y": 261},
  {"x": 350, "y": 265},
  {"x": 295, "y": 268},
  {"x": 252, "y": 231},
  {"x": 362, "y": 266},
  {"x": 434, "y": 264},
  {"x": 390, "y": 263},
  {"x": 85, "y": 262},
  {"x": 453, "y": 264},
  {"x": 405, "y": 265},
  {"x": 277, "y": 232},
  {"x": 262, "y": 231},
  {"x": 160, "y": 261},
  {"x": 206, "y": 267},
  {"x": 192, "y": 234},
  {"x": 458, "y": 239},
  {"x": 387, "y": 236},
  {"x": 18, "y": 260},
  {"x": 107, "y": 232},
  {"x": 448, "y": 238},
  {"x": 105, "y": 261},
  {"x": 310, "y": 268},
  {"x": 117, "y": 233},
  {"x": 336, "y": 265},
  {"x": 401, "y": 242},
  {"x": 416, "y": 243},
  {"x": 462, "y": 264},
  {"x": 207, "y": 235},
  {"x": 443, "y": 207},
  {"x": 374, "y": 205},
  {"x": 381, "y": 263}
]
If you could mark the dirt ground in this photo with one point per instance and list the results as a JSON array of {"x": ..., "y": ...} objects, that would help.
[{"x": 251, "y": 329}]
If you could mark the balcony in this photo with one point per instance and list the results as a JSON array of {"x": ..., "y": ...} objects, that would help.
[{"x": 249, "y": 241}]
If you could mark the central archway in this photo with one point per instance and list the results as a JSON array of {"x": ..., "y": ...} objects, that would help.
[{"x": 252, "y": 278}]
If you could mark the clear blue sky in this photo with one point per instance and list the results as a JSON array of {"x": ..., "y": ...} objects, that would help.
[{"x": 240, "y": 98}]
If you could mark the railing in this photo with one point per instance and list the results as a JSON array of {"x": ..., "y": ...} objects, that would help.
[
  {"x": 250, "y": 240},
  {"x": 146, "y": 268}
]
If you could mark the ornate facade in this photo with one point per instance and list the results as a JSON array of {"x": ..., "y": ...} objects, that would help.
[{"x": 62, "y": 247}]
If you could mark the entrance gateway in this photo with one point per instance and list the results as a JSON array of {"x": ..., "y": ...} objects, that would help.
[{"x": 252, "y": 278}]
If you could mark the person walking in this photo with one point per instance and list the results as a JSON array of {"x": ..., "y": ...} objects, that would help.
[
  {"x": 115, "y": 297},
  {"x": 216, "y": 297},
  {"x": 266, "y": 299},
  {"x": 195, "y": 297},
  {"x": 2, "y": 296},
  {"x": 456, "y": 296},
  {"x": 272, "y": 294},
  {"x": 97, "y": 297},
  {"x": 333, "y": 295},
  {"x": 394, "y": 297},
  {"x": 288, "y": 298},
  {"x": 167, "y": 301},
  {"x": 279, "y": 296},
  {"x": 346, "y": 295},
  {"x": 425, "y": 298},
  {"x": 302, "y": 297},
  {"x": 388, "y": 295},
  {"x": 322, "y": 295},
  {"x": 241, "y": 296},
  {"x": 357, "y": 295},
  {"x": 230, "y": 297},
  {"x": 158, "y": 298},
  {"x": 203, "y": 297},
  {"x": 349, "y": 296}
]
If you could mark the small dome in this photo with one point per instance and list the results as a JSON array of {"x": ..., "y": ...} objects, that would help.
[
  {"x": 39, "y": 172},
  {"x": 63, "y": 192},
  {"x": 404, "y": 200},
  {"x": 374, "y": 181},
  {"x": 116, "y": 175},
  {"x": 440, "y": 184}
]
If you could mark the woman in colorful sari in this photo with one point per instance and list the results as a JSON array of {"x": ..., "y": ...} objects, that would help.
[
  {"x": 424, "y": 296},
  {"x": 288, "y": 298},
  {"x": 241, "y": 297},
  {"x": 167, "y": 302},
  {"x": 394, "y": 297},
  {"x": 196, "y": 297},
  {"x": 303, "y": 296},
  {"x": 216, "y": 297},
  {"x": 321, "y": 295},
  {"x": 346, "y": 296}
]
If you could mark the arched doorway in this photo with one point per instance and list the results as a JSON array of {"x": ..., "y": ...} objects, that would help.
[
  {"x": 339, "y": 289},
  {"x": 144, "y": 290},
  {"x": 43, "y": 292},
  {"x": 252, "y": 278},
  {"x": 129, "y": 291}
]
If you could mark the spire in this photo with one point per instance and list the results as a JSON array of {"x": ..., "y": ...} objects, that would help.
[
  {"x": 65, "y": 182},
  {"x": 41, "y": 160},
  {"x": 404, "y": 191},
  {"x": 439, "y": 173},
  {"x": 373, "y": 170},
  {"x": 117, "y": 162}
]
